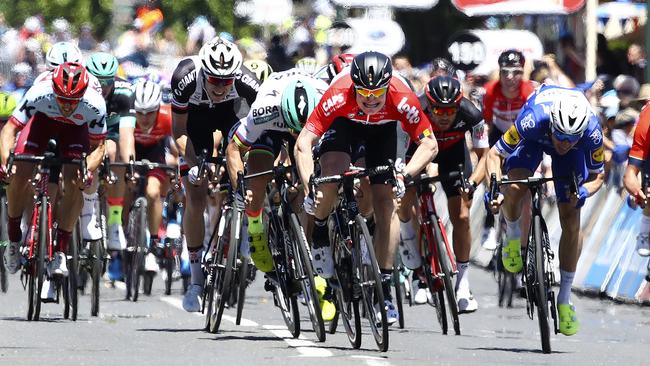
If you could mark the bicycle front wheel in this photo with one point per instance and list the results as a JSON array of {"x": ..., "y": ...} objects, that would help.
[
  {"x": 224, "y": 278},
  {"x": 4, "y": 240},
  {"x": 371, "y": 284},
  {"x": 97, "y": 253},
  {"x": 41, "y": 253},
  {"x": 446, "y": 267},
  {"x": 541, "y": 287},
  {"x": 140, "y": 245}
]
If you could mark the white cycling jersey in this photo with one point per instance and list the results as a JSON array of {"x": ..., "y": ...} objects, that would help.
[
  {"x": 41, "y": 98},
  {"x": 265, "y": 114}
]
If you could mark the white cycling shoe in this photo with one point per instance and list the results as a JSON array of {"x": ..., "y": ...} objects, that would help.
[
  {"x": 151, "y": 263},
  {"x": 192, "y": 299},
  {"x": 57, "y": 266},
  {"x": 11, "y": 257},
  {"x": 323, "y": 262},
  {"x": 643, "y": 245},
  {"x": 116, "y": 239}
]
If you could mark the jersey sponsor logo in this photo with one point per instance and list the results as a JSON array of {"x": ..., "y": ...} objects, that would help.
[
  {"x": 596, "y": 137},
  {"x": 412, "y": 112},
  {"x": 77, "y": 116},
  {"x": 511, "y": 137},
  {"x": 527, "y": 122},
  {"x": 27, "y": 109},
  {"x": 479, "y": 131},
  {"x": 598, "y": 155},
  {"x": 273, "y": 93},
  {"x": 248, "y": 80},
  {"x": 184, "y": 82},
  {"x": 330, "y": 104},
  {"x": 94, "y": 123},
  {"x": 460, "y": 124},
  {"x": 265, "y": 114}
]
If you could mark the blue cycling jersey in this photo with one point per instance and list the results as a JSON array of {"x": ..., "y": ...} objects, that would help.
[{"x": 533, "y": 127}]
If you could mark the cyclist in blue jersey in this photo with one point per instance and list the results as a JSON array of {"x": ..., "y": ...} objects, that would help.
[{"x": 557, "y": 121}]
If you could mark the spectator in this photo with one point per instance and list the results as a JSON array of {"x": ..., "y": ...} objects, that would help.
[
  {"x": 574, "y": 64},
  {"x": 61, "y": 31},
  {"x": 198, "y": 33},
  {"x": 168, "y": 45},
  {"x": 21, "y": 75},
  {"x": 622, "y": 135},
  {"x": 548, "y": 72},
  {"x": 87, "y": 41},
  {"x": 606, "y": 62},
  {"x": 636, "y": 62},
  {"x": 627, "y": 89},
  {"x": 278, "y": 59}
]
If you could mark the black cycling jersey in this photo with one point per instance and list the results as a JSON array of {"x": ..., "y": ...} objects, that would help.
[
  {"x": 119, "y": 104},
  {"x": 467, "y": 118}
]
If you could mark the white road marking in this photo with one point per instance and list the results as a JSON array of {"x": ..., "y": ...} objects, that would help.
[
  {"x": 305, "y": 347},
  {"x": 373, "y": 360}
]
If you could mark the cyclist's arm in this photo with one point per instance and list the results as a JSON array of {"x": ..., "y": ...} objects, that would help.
[
  {"x": 94, "y": 159},
  {"x": 303, "y": 154},
  {"x": 184, "y": 144},
  {"x": 234, "y": 154},
  {"x": 127, "y": 143},
  {"x": 594, "y": 182},
  {"x": 479, "y": 172},
  {"x": 493, "y": 162},
  {"x": 7, "y": 140},
  {"x": 631, "y": 180},
  {"x": 424, "y": 154}
]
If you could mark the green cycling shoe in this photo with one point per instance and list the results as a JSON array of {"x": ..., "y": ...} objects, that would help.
[
  {"x": 511, "y": 256},
  {"x": 327, "y": 308},
  {"x": 569, "y": 324}
]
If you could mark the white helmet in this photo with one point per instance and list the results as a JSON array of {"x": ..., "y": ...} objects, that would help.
[
  {"x": 220, "y": 58},
  {"x": 61, "y": 52},
  {"x": 570, "y": 114},
  {"x": 61, "y": 25},
  {"x": 148, "y": 96}
]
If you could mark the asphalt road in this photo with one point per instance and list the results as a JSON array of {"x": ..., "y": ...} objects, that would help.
[{"x": 156, "y": 331}]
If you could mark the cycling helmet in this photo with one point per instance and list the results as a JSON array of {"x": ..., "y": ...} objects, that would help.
[
  {"x": 512, "y": 58},
  {"x": 444, "y": 90},
  {"x": 371, "y": 70},
  {"x": 61, "y": 52},
  {"x": 148, "y": 96},
  {"x": 220, "y": 58},
  {"x": 103, "y": 65},
  {"x": 299, "y": 98},
  {"x": 442, "y": 66},
  {"x": 570, "y": 114},
  {"x": 70, "y": 80},
  {"x": 338, "y": 63},
  {"x": 60, "y": 25},
  {"x": 307, "y": 64},
  {"x": 7, "y": 105},
  {"x": 260, "y": 68}
]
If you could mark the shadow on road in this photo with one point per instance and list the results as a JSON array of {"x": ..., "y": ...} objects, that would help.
[
  {"x": 169, "y": 330},
  {"x": 508, "y": 349}
]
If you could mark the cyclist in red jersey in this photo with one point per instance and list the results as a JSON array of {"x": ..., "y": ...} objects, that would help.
[
  {"x": 502, "y": 102},
  {"x": 638, "y": 162},
  {"x": 364, "y": 104},
  {"x": 146, "y": 139}
]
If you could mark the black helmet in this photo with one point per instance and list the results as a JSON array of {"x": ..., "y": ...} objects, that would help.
[
  {"x": 444, "y": 90},
  {"x": 511, "y": 58},
  {"x": 371, "y": 70},
  {"x": 442, "y": 66}
]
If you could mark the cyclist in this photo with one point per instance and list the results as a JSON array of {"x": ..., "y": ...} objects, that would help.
[
  {"x": 119, "y": 110},
  {"x": 211, "y": 91},
  {"x": 451, "y": 115},
  {"x": 638, "y": 163},
  {"x": 285, "y": 101},
  {"x": 503, "y": 100},
  {"x": 145, "y": 138},
  {"x": 559, "y": 122},
  {"x": 308, "y": 65},
  {"x": 260, "y": 68},
  {"x": 364, "y": 104},
  {"x": 334, "y": 67},
  {"x": 65, "y": 108},
  {"x": 7, "y": 106}
]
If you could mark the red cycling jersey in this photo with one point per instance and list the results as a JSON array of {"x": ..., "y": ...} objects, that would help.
[
  {"x": 641, "y": 144},
  {"x": 401, "y": 105},
  {"x": 501, "y": 111},
  {"x": 159, "y": 131}
]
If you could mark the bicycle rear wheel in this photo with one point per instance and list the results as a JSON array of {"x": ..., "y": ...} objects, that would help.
[
  {"x": 73, "y": 272},
  {"x": 305, "y": 273},
  {"x": 139, "y": 237},
  {"x": 215, "y": 266},
  {"x": 541, "y": 286},
  {"x": 446, "y": 267},
  {"x": 168, "y": 262},
  {"x": 225, "y": 278},
  {"x": 41, "y": 253},
  {"x": 4, "y": 240},
  {"x": 371, "y": 284},
  {"x": 97, "y": 264},
  {"x": 244, "y": 268},
  {"x": 397, "y": 285}
]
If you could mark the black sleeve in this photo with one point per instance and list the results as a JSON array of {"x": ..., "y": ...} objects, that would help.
[
  {"x": 124, "y": 98},
  {"x": 469, "y": 113},
  {"x": 247, "y": 85},
  {"x": 424, "y": 103},
  {"x": 183, "y": 85}
]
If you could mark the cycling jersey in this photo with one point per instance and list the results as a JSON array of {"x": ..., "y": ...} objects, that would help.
[
  {"x": 161, "y": 129},
  {"x": 499, "y": 111},
  {"x": 90, "y": 111},
  {"x": 188, "y": 80},
  {"x": 265, "y": 114},
  {"x": 524, "y": 142},
  {"x": 468, "y": 118},
  {"x": 119, "y": 107},
  {"x": 401, "y": 105},
  {"x": 641, "y": 143}
]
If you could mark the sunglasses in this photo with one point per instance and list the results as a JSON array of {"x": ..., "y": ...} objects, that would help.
[
  {"x": 219, "y": 81},
  {"x": 67, "y": 101},
  {"x": 444, "y": 111},
  {"x": 371, "y": 92},
  {"x": 106, "y": 81},
  {"x": 566, "y": 138},
  {"x": 515, "y": 71}
]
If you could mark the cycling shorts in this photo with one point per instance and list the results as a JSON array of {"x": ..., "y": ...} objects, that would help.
[
  {"x": 448, "y": 161},
  {"x": 203, "y": 121},
  {"x": 72, "y": 140},
  {"x": 155, "y": 154}
]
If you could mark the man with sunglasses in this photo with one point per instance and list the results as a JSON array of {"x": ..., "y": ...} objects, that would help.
[
  {"x": 363, "y": 104},
  {"x": 559, "y": 122},
  {"x": 210, "y": 92},
  {"x": 502, "y": 102},
  {"x": 62, "y": 107},
  {"x": 451, "y": 116}
]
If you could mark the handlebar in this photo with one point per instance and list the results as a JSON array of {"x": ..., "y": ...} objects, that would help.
[{"x": 352, "y": 174}]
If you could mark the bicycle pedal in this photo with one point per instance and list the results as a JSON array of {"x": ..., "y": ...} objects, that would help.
[{"x": 268, "y": 286}]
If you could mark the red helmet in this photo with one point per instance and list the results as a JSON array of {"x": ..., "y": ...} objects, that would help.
[
  {"x": 338, "y": 62},
  {"x": 70, "y": 80}
]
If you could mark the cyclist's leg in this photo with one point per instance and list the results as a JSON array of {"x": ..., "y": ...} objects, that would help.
[
  {"x": 408, "y": 244},
  {"x": 115, "y": 198}
]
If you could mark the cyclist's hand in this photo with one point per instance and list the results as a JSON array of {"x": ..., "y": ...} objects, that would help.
[
  {"x": 309, "y": 205},
  {"x": 468, "y": 193},
  {"x": 193, "y": 176},
  {"x": 494, "y": 204},
  {"x": 249, "y": 197},
  {"x": 400, "y": 187},
  {"x": 83, "y": 182},
  {"x": 4, "y": 174},
  {"x": 578, "y": 199}
]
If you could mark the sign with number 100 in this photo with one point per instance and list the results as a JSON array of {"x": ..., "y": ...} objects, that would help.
[{"x": 466, "y": 51}]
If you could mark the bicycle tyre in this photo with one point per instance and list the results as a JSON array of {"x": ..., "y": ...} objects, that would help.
[
  {"x": 43, "y": 235},
  {"x": 97, "y": 253},
  {"x": 137, "y": 266},
  {"x": 215, "y": 267},
  {"x": 4, "y": 240},
  {"x": 284, "y": 295},
  {"x": 541, "y": 289},
  {"x": 168, "y": 266},
  {"x": 446, "y": 267},
  {"x": 437, "y": 299},
  {"x": 369, "y": 274},
  {"x": 305, "y": 272},
  {"x": 228, "y": 273},
  {"x": 241, "y": 287},
  {"x": 398, "y": 296}
]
